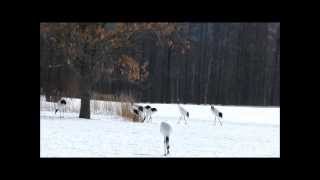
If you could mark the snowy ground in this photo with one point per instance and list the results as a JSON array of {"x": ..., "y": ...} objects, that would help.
[{"x": 246, "y": 132}]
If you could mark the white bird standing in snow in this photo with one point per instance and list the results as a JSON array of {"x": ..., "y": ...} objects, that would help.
[
  {"x": 139, "y": 111},
  {"x": 166, "y": 130},
  {"x": 149, "y": 111},
  {"x": 184, "y": 113},
  {"x": 216, "y": 114},
  {"x": 61, "y": 105}
]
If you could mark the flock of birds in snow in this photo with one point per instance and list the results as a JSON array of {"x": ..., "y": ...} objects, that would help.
[{"x": 144, "y": 114}]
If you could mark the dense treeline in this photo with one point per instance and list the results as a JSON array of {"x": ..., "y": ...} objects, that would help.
[{"x": 224, "y": 63}]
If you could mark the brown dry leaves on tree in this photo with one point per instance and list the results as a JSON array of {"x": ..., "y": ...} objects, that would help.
[
  {"x": 87, "y": 44},
  {"x": 144, "y": 71},
  {"x": 129, "y": 67}
]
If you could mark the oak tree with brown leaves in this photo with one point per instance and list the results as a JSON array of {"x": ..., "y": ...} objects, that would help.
[{"x": 94, "y": 50}]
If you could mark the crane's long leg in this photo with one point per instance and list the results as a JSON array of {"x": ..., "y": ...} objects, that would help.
[
  {"x": 215, "y": 120},
  {"x": 179, "y": 119},
  {"x": 164, "y": 145},
  {"x": 168, "y": 147},
  {"x": 149, "y": 117},
  {"x": 220, "y": 121}
]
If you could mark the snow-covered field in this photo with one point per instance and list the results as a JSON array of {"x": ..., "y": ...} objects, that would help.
[{"x": 246, "y": 132}]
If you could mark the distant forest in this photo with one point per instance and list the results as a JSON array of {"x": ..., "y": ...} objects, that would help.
[{"x": 223, "y": 63}]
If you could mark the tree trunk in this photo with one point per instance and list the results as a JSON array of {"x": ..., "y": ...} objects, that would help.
[
  {"x": 85, "y": 93},
  {"x": 168, "y": 90},
  {"x": 85, "y": 105}
]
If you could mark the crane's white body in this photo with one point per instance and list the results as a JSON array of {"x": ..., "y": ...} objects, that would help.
[
  {"x": 166, "y": 130},
  {"x": 148, "y": 114},
  {"x": 216, "y": 115},
  {"x": 141, "y": 111},
  {"x": 183, "y": 114},
  {"x": 61, "y": 106}
]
